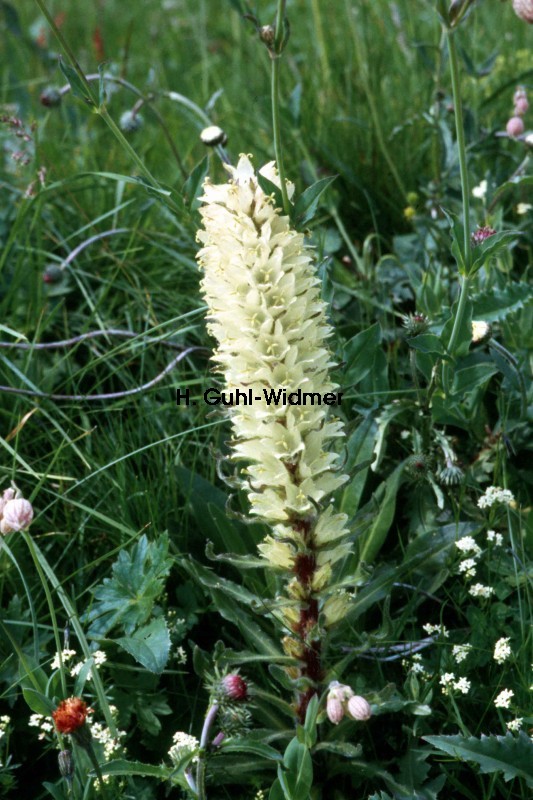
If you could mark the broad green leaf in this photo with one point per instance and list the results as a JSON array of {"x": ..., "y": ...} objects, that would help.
[
  {"x": 150, "y": 645},
  {"x": 296, "y": 774},
  {"x": 310, "y": 721},
  {"x": 276, "y": 792},
  {"x": 496, "y": 304},
  {"x": 39, "y": 703},
  {"x": 123, "y": 767},
  {"x": 512, "y": 755},
  {"x": 470, "y": 378},
  {"x": 370, "y": 543},
  {"x": 244, "y": 745},
  {"x": 427, "y": 343},
  {"x": 79, "y": 89},
  {"x": 491, "y": 247},
  {"x": 128, "y": 597},
  {"x": 359, "y": 355},
  {"x": 307, "y": 203},
  {"x": 359, "y": 446},
  {"x": 345, "y": 749}
]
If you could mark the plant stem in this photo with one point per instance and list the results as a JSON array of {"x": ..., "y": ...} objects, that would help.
[
  {"x": 204, "y": 739},
  {"x": 465, "y": 192},
  {"x": 275, "y": 55}
]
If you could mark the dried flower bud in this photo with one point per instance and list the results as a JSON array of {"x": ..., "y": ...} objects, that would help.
[
  {"x": 16, "y": 515},
  {"x": 66, "y": 764},
  {"x": 481, "y": 332},
  {"x": 50, "y": 97},
  {"x": 213, "y": 136},
  {"x": 524, "y": 10},
  {"x": 267, "y": 34},
  {"x": 481, "y": 234},
  {"x": 451, "y": 475},
  {"x": 70, "y": 715},
  {"x": 130, "y": 122},
  {"x": 358, "y": 708},
  {"x": 235, "y": 687},
  {"x": 515, "y": 127}
]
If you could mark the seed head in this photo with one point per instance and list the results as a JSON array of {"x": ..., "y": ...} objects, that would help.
[
  {"x": 130, "y": 122},
  {"x": 213, "y": 136}
]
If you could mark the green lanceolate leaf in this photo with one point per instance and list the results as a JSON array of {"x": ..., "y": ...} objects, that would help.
[
  {"x": 359, "y": 355},
  {"x": 149, "y": 645},
  {"x": 470, "y": 378},
  {"x": 458, "y": 237},
  {"x": 307, "y": 203},
  {"x": 246, "y": 746},
  {"x": 123, "y": 767},
  {"x": 76, "y": 84},
  {"x": 464, "y": 339},
  {"x": 193, "y": 185},
  {"x": 296, "y": 774},
  {"x": 427, "y": 343},
  {"x": 512, "y": 755},
  {"x": 372, "y": 541},
  {"x": 491, "y": 247}
]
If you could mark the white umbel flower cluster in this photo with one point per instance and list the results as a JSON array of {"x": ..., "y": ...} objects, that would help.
[{"x": 267, "y": 316}]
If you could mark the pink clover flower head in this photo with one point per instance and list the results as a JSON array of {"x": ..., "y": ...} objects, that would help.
[{"x": 16, "y": 515}]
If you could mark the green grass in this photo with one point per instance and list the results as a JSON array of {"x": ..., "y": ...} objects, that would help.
[{"x": 365, "y": 95}]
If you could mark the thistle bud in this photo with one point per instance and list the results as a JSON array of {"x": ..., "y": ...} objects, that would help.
[
  {"x": 415, "y": 324},
  {"x": 358, "y": 708},
  {"x": 267, "y": 34},
  {"x": 481, "y": 234},
  {"x": 417, "y": 466},
  {"x": 130, "y": 122},
  {"x": 524, "y": 10},
  {"x": 234, "y": 687},
  {"x": 50, "y": 97},
  {"x": 16, "y": 515},
  {"x": 515, "y": 127},
  {"x": 213, "y": 136}
]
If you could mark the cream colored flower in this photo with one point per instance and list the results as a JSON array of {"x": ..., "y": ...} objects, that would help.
[{"x": 269, "y": 321}]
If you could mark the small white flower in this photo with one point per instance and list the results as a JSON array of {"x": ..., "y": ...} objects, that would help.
[
  {"x": 65, "y": 655},
  {"x": 478, "y": 590},
  {"x": 494, "y": 494},
  {"x": 523, "y": 208},
  {"x": 480, "y": 191},
  {"x": 460, "y": 652},
  {"x": 181, "y": 655},
  {"x": 502, "y": 651},
  {"x": 446, "y": 681},
  {"x": 76, "y": 669},
  {"x": 99, "y": 657},
  {"x": 515, "y": 724},
  {"x": 468, "y": 545},
  {"x": 495, "y": 538},
  {"x": 184, "y": 744},
  {"x": 504, "y": 698},
  {"x": 468, "y": 567},
  {"x": 440, "y": 629},
  {"x": 462, "y": 685}
]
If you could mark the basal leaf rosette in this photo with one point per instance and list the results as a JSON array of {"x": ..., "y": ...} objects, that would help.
[{"x": 267, "y": 316}]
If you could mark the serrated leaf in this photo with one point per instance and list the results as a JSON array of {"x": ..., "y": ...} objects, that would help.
[
  {"x": 491, "y": 247},
  {"x": 344, "y": 749},
  {"x": 122, "y": 767},
  {"x": 496, "y": 304},
  {"x": 512, "y": 755},
  {"x": 149, "y": 645},
  {"x": 127, "y": 599},
  {"x": 76, "y": 84},
  {"x": 307, "y": 203}
]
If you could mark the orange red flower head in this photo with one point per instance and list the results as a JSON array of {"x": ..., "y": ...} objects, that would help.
[{"x": 70, "y": 715}]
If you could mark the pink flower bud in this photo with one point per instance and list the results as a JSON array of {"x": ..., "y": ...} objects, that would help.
[
  {"x": 481, "y": 234},
  {"x": 358, "y": 708},
  {"x": 17, "y": 515},
  {"x": 334, "y": 708},
  {"x": 515, "y": 126},
  {"x": 235, "y": 687},
  {"x": 524, "y": 10}
]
